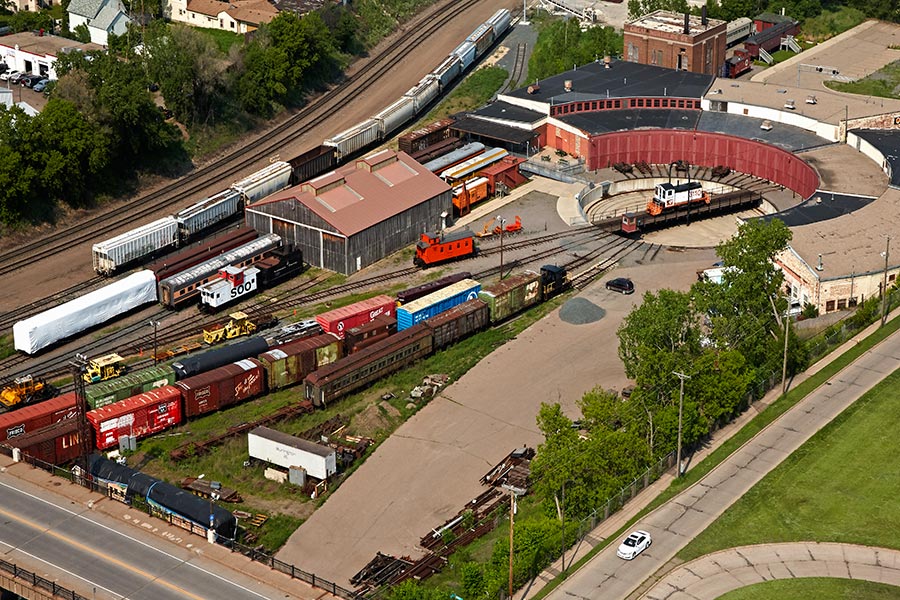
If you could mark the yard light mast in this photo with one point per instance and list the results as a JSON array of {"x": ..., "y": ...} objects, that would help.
[{"x": 682, "y": 377}]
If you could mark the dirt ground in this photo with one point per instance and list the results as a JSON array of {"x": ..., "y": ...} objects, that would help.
[
  {"x": 61, "y": 271},
  {"x": 431, "y": 466}
]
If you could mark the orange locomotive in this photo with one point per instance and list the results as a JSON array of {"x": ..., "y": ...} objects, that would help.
[{"x": 436, "y": 248}]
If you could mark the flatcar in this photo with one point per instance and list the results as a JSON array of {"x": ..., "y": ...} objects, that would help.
[
  {"x": 669, "y": 196},
  {"x": 436, "y": 248}
]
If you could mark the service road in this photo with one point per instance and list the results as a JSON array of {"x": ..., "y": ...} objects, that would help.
[{"x": 82, "y": 551}]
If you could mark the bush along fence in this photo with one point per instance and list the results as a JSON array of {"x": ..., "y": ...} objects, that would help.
[{"x": 116, "y": 493}]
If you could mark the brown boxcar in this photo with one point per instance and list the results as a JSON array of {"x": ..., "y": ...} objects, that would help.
[
  {"x": 364, "y": 336},
  {"x": 140, "y": 416},
  {"x": 290, "y": 363},
  {"x": 56, "y": 444},
  {"x": 354, "y": 371},
  {"x": 313, "y": 163},
  {"x": 460, "y": 321},
  {"x": 37, "y": 416},
  {"x": 222, "y": 387},
  {"x": 424, "y": 136},
  {"x": 202, "y": 251},
  {"x": 512, "y": 295}
]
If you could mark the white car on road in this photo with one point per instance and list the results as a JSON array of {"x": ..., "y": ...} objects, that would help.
[{"x": 634, "y": 544}]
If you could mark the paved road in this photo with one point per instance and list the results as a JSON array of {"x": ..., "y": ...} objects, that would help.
[
  {"x": 678, "y": 521},
  {"x": 710, "y": 576},
  {"x": 62, "y": 540}
]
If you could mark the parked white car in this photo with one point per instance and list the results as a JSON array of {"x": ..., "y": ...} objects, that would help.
[
  {"x": 6, "y": 75},
  {"x": 634, "y": 544}
]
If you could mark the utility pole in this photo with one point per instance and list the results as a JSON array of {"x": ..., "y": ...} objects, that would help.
[
  {"x": 502, "y": 222},
  {"x": 512, "y": 516},
  {"x": 682, "y": 377},
  {"x": 563, "y": 513},
  {"x": 887, "y": 253},
  {"x": 787, "y": 319},
  {"x": 155, "y": 325}
]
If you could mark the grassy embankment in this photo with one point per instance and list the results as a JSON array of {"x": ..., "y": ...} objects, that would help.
[{"x": 815, "y": 588}]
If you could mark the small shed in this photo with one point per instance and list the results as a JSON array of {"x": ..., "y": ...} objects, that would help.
[{"x": 505, "y": 171}]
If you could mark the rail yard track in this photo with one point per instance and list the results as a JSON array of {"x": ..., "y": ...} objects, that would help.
[{"x": 214, "y": 176}]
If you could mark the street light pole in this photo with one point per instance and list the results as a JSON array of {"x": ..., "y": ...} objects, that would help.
[
  {"x": 887, "y": 253},
  {"x": 563, "y": 512},
  {"x": 502, "y": 222},
  {"x": 787, "y": 319},
  {"x": 682, "y": 377}
]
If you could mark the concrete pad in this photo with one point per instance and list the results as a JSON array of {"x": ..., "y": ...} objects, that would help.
[
  {"x": 682, "y": 578},
  {"x": 826, "y": 552},
  {"x": 791, "y": 552},
  {"x": 747, "y": 575},
  {"x": 860, "y": 555},
  {"x": 837, "y": 569},
  {"x": 714, "y": 586},
  {"x": 807, "y": 568}
]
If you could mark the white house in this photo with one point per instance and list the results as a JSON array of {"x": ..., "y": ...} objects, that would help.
[{"x": 101, "y": 17}]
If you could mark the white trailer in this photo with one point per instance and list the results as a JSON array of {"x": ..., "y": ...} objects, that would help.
[
  {"x": 132, "y": 245},
  {"x": 288, "y": 451},
  {"x": 208, "y": 212},
  {"x": 94, "y": 308},
  {"x": 268, "y": 180}
]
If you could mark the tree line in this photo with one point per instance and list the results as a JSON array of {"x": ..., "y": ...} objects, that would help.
[{"x": 109, "y": 115}]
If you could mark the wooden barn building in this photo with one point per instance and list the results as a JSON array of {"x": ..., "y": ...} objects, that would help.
[{"x": 352, "y": 217}]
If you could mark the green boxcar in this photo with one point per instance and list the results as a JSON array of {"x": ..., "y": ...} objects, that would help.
[
  {"x": 512, "y": 295},
  {"x": 290, "y": 363},
  {"x": 130, "y": 384}
]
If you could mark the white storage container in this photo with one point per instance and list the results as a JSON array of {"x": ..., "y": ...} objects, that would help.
[
  {"x": 395, "y": 115},
  {"x": 94, "y": 308},
  {"x": 132, "y": 245},
  {"x": 466, "y": 54},
  {"x": 207, "y": 213},
  {"x": 269, "y": 180},
  {"x": 448, "y": 70},
  {"x": 288, "y": 451},
  {"x": 424, "y": 92},
  {"x": 357, "y": 137},
  {"x": 443, "y": 162}
]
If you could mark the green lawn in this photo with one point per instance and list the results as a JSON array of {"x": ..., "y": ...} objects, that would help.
[
  {"x": 224, "y": 39},
  {"x": 815, "y": 588},
  {"x": 840, "y": 486}
]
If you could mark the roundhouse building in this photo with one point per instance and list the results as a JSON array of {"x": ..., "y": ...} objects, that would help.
[{"x": 352, "y": 217}]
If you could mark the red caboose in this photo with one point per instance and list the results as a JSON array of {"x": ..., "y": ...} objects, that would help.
[{"x": 436, "y": 248}]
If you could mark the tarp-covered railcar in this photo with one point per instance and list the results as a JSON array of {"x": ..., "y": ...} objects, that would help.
[{"x": 43, "y": 329}]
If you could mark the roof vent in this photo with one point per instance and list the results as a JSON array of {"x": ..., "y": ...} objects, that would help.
[
  {"x": 534, "y": 88},
  {"x": 820, "y": 266},
  {"x": 568, "y": 85},
  {"x": 606, "y": 61}
]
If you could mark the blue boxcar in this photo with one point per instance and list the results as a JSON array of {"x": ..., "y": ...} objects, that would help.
[{"x": 436, "y": 303}]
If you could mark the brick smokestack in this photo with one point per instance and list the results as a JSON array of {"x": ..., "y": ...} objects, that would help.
[
  {"x": 703, "y": 18},
  {"x": 687, "y": 24}
]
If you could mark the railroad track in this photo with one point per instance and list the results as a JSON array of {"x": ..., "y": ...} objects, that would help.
[
  {"x": 216, "y": 176},
  {"x": 9, "y": 318},
  {"x": 518, "y": 71}
]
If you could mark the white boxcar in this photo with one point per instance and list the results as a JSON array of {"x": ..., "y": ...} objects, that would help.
[
  {"x": 207, "y": 213},
  {"x": 269, "y": 180},
  {"x": 395, "y": 115},
  {"x": 132, "y": 245},
  {"x": 357, "y": 137},
  {"x": 424, "y": 92},
  {"x": 288, "y": 451},
  {"x": 448, "y": 70},
  {"x": 466, "y": 54},
  {"x": 94, "y": 308},
  {"x": 500, "y": 21}
]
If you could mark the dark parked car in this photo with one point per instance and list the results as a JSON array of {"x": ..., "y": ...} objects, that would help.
[
  {"x": 623, "y": 285},
  {"x": 3, "y": 67},
  {"x": 29, "y": 80}
]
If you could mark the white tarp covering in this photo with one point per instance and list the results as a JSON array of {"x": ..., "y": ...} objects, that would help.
[{"x": 89, "y": 310}]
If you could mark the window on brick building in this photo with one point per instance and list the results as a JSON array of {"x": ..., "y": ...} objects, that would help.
[
  {"x": 829, "y": 306},
  {"x": 633, "y": 54},
  {"x": 841, "y": 304}
]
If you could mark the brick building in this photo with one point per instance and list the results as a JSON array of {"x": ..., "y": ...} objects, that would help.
[{"x": 674, "y": 41}]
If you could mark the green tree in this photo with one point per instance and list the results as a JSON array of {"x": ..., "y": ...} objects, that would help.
[
  {"x": 639, "y": 8},
  {"x": 81, "y": 33},
  {"x": 561, "y": 45},
  {"x": 18, "y": 190},
  {"x": 26, "y": 20}
]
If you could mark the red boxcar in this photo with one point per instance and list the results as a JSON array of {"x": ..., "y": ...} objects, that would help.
[
  {"x": 56, "y": 444},
  {"x": 210, "y": 391},
  {"x": 140, "y": 416},
  {"x": 37, "y": 416},
  {"x": 339, "y": 320}
]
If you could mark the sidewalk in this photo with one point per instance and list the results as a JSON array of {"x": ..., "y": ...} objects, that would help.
[{"x": 615, "y": 522}]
